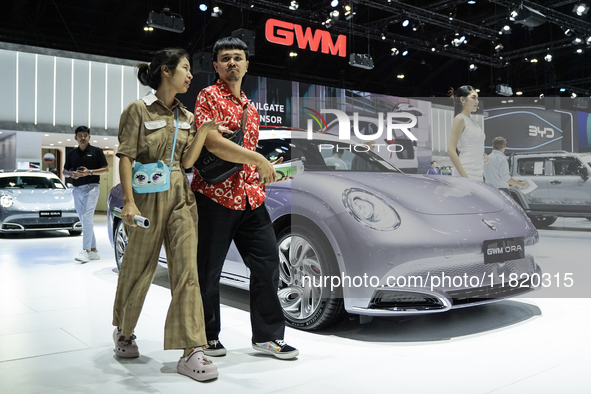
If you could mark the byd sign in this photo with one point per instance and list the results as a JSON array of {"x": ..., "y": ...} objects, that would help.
[{"x": 285, "y": 33}]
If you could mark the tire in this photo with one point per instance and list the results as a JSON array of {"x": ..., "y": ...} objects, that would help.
[
  {"x": 74, "y": 233},
  {"x": 543, "y": 221},
  {"x": 120, "y": 242},
  {"x": 303, "y": 252}
]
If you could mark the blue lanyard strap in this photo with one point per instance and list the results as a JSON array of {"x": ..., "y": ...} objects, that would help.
[{"x": 176, "y": 130}]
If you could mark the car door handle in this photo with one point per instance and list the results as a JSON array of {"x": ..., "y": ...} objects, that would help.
[{"x": 555, "y": 182}]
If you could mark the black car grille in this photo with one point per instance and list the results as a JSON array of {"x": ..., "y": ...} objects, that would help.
[
  {"x": 487, "y": 293},
  {"x": 402, "y": 300},
  {"x": 49, "y": 225},
  {"x": 9, "y": 226}
]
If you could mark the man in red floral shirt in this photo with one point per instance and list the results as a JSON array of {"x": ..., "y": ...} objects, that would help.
[{"x": 234, "y": 209}]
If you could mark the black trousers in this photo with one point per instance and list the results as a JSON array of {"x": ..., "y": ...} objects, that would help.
[{"x": 253, "y": 234}]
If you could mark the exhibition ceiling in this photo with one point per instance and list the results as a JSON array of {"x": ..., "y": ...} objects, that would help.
[{"x": 546, "y": 49}]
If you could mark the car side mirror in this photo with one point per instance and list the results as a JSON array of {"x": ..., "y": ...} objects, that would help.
[
  {"x": 584, "y": 173},
  {"x": 69, "y": 186}
]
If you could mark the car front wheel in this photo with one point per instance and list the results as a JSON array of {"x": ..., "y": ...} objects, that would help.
[
  {"x": 543, "y": 221},
  {"x": 121, "y": 241},
  {"x": 305, "y": 258}
]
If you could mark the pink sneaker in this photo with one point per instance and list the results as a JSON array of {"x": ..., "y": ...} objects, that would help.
[
  {"x": 125, "y": 347},
  {"x": 197, "y": 366}
]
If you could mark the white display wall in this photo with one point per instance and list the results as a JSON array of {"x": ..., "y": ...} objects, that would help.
[{"x": 61, "y": 91}]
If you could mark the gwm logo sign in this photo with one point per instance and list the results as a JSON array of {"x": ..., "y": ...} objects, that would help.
[{"x": 286, "y": 33}]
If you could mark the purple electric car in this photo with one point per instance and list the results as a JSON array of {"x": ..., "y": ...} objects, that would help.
[{"x": 357, "y": 235}]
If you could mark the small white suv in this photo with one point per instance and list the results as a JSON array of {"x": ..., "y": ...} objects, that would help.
[{"x": 563, "y": 185}]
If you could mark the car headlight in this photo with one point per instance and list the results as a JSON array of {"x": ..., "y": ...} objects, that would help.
[
  {"x": 6, "y": 201},
  {"x": 370, "y": 209}
]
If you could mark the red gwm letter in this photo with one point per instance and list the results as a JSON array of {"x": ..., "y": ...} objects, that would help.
[
  {"x": 308, "y": 38},
  {"x": 279, "y": 32},
  {"x": 340, "y": 46},
  {"x": 282, "y": 33}
]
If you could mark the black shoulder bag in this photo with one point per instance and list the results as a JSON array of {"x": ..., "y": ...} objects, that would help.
[{"x": 213, "y": 169}]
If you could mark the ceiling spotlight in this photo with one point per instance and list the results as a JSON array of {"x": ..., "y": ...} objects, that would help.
[
  {"x": 395, "y": 51},
  {"x": 562, "y": 90},
  {"x": 456, "y": 42},
  {"x": 405, "y": 23},
  {"x": 573, "y": 95},
  {"x": 505, "y": 30},
  {"x": 348, "y": 11},
  {"x": 400, "y": 76},
  {"x": 405, "y": 52},
  {"x": 334, "y": 3},
  {"x": 581, "y": 9},
  {"x": 534, "y": 60},
  {"x": 579, "y": 50},
  {"x": 473, "y": 67},
  {"x": 568, "y": 32},
  {"x": 471, "y": 1},
  {"x": 216, "y": 11},
  {"x": 334, "y": 14},
  {"x": 433, "y": 49},
  {"x": 588, "y": 40},
  {"x": 328, "y": 22},
  {"x": 383, "y": 36},
  {"x": 294, "y": 5},
  {"x": 548, "y": 58},
  {"x": 148, "y": 28},
  {"x": 203, "y": 7},
  {"x": 519, "y": 93},
  {"x": 499, "y": 47},
  {"x": 293, "y": 54},
  {"x": 577, "y": 41}
]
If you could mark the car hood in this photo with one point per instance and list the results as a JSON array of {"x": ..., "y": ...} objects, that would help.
[
  {"x": 40, "y": 196},
  {"x": 433, "y": 195}
]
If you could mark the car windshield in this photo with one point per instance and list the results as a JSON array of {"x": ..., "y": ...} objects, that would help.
[
  {"x": 325, "y": 155},
  {"x": 30, "y": 182}
]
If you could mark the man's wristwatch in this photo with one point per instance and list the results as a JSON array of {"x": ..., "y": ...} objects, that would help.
[{"x": 90, "y": 172}]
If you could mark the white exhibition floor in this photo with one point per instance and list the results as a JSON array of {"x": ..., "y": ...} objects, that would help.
[{"x": 55, "y": 335}]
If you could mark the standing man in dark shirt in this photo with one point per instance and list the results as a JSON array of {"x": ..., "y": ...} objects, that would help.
[
  {"x": 84, "y": 165},
  {"x": 234, "y": 209}
]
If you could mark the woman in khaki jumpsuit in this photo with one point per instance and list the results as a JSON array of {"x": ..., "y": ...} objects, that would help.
[{"x": 146, "y": 134}]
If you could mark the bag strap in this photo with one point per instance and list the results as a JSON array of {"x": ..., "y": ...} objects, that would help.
[
  {"x": 176, "y": 130},
  {"x": 244, "y": 115}
]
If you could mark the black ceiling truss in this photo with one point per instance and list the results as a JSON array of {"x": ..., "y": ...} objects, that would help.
[
  {"x": 434, "y": 60},
  {"x": 570, "y": 85},
  {"x": 378, "y": 33},
  {"x": 540, "y": 48},
  {"x": 432, "y": 18},
  {"x": 552, "y": 16}
]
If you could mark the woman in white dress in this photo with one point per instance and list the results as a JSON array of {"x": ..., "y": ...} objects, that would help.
[{"x": 467, "y": 137}]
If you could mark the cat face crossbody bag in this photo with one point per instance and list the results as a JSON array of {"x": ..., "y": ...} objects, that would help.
[{"x": 154, "y": 177}]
